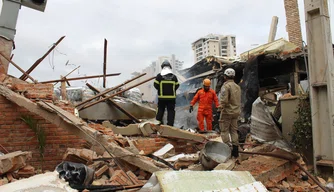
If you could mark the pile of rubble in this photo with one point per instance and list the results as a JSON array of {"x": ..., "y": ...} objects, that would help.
[
  {"x": 13, "y": 166},
  {"x": 144, "y": 155}
]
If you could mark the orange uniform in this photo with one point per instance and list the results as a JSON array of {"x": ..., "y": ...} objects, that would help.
[{"x": 205, "y": 107}]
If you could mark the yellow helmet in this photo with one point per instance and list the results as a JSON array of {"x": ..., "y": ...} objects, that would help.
[{"x": 207, "y": 82}]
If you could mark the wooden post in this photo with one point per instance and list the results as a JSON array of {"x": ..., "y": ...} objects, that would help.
[
  {"x": 63, "y": 89},
  {"x": 105, "y": 63}
]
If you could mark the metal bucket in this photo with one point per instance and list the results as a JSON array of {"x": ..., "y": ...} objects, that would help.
[{"x": 214, "y": 153}]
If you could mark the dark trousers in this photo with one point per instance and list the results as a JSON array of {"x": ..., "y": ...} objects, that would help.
[{"x": 170, "y": 105}]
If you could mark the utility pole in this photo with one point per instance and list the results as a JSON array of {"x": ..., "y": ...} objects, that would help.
[
  {"x": 8, "y": 19},
  {"x": 321, "y": 79}
]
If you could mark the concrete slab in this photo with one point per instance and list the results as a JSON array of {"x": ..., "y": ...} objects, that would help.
[{"x": 39, "y": 183}]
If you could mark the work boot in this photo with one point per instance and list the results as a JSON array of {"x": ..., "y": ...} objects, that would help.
[{"x": 235, "y": 151}]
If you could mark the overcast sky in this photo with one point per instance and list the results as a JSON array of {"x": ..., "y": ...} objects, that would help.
[{"x": 137, "y": 32}]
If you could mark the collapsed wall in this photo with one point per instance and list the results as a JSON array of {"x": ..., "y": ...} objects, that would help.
[{"x": 16, "y": 135}]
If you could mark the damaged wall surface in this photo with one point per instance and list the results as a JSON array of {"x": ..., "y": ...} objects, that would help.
[{"x": 16, "y": 135}]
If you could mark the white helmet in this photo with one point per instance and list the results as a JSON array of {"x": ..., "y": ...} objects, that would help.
[{"x": 229, "y": 72}]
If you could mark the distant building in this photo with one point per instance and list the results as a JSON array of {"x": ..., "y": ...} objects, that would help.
[
  {"x": 214, "y": 45},
  {"x": 152, "y": 70}
]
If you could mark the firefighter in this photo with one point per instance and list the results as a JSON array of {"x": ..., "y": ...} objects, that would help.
[
  {"x": 206, "y": 96},
  {"x": 166, "y": 84},
  {"x": 230, "y": 102}
]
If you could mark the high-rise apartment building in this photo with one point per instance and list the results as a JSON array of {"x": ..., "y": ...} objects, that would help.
[{"x": 214, "y": 45}]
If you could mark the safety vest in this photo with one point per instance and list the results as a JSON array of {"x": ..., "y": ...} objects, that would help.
[{"x": 166, "y": 86}]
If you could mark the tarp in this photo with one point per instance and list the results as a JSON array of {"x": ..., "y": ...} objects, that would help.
[{"x": 263, "y": 126}]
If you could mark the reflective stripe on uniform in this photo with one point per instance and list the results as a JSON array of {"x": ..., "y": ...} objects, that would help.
[{"x": 161, "y": 89}]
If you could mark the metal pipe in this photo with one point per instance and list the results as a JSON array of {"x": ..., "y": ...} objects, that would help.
[
  {"x": 80, "y": 78},
  {"x": 105, "y": 63},
  {"x": 24, "y": 77},
  {"x": 108, "y": 90},
  {"x": 17, "y": 67},
  {"x": 114, "y": 104},
  {"x": 108, "y": 97}
]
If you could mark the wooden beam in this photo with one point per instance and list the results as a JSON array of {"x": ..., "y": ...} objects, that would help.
[
  {"x": 80, "y": 78},
  {"x": 109, "y": 90},
  {"x": 76, "y": 126},
  {"x": 68, "y": 75},
  {"x": 24, "y": 77},
  {"x": 105, "y": 63},
  {"x": 113, "y": 95},
  {"x": 114, "y": 104},
  {"x": 17, "y": 67}
]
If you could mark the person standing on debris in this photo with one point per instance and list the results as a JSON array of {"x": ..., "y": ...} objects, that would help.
[
  {"x": 166, "y": 84},
  {"x": 206, "y": 96},
  {"x": 230, "y": 102}
]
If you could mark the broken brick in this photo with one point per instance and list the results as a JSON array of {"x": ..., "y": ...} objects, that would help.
[
  {"x": 101, "y": 171},
  {"x": 26, "y": 171}
]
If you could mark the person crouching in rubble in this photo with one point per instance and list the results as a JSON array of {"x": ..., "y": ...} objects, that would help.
[
  {"x": 206, "y": 96},
  {"x": 166, "y": 84},
  {"x": 230, "y": 102}
]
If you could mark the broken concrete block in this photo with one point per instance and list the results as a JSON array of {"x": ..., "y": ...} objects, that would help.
[
  {"x": 26, "y": 171},
  {"x": 130, "y": 130},
  {"x": 3, "y": 181},
  {"x": 146, "y": 129},
  {"x": 163, "y": 151},
  {"x": 84, "y": 156},
  {"x": 13, "y": 161},
  {"x": 172, "y": 132},
  {"x": 229, "y": 165},
  {"x": 132, "y": 147}
]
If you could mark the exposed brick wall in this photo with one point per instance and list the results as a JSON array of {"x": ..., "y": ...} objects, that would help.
[
  {"x": 150, "y": 145},
  {"x": 34, "y": 91},
  {"x": 293, "y": 22},
  {"x": 16, "y": 135}
]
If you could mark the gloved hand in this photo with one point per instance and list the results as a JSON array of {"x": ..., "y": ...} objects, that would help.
[
  {"x": 219, "y": 109},
  {"x": 191, "y": 109}
]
